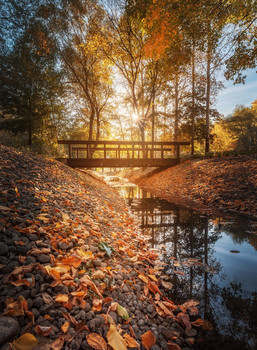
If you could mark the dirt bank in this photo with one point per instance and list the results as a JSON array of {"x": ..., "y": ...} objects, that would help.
[
  {"x": 75, "y": 271},
  {"x": 219, "y": 185}
]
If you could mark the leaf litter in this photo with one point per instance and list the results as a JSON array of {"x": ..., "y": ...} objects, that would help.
[{"x": 76, "y": 270}]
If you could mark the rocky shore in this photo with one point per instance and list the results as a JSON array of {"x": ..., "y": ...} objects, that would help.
[{"x": 75, "y": 270}]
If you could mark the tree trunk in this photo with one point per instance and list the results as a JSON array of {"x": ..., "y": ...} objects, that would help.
[
  {"x": 153, "y": 116},
  {"x": 207, "y": 116},
  {"x": 97, "y": 125},
  {"x": 91, "y": 124},
  {"x": 176, "y": 110},
  {"x": 193, "y": 104},
  {"x": 176, "y": 115}
]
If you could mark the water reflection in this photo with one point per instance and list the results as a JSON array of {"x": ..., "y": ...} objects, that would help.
[{"x": 209, "y": 260}]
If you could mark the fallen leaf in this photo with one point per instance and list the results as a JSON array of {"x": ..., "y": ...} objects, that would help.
[
  {"x": 166, "y": 285},
  {"x": 40, "y": 330},
  {"x": 148, "y": 339},
  {"x": 26, "y": 342},
  {"x": 131, "y": 342},
  {"x": 62, "y": 298},
  {"x": 115, "y": 340},
  {"x": 65, "y": 327},
  {"x": 143, "y": 278},
  {"x": 96, "y": 341},
  {"x": 98, "y": 275},
  {"x": 122, "y": 312}
]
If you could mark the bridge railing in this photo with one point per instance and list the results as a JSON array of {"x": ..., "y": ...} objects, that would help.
[{"x": 121, "y": 149}]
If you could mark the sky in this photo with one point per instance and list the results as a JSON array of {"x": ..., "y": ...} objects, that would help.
[{"x": 238, "y": 94}]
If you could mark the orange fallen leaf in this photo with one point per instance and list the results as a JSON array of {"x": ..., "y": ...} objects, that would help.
[
  {"x": 40, "y": 330},
  {"x": 26, "y": 342},
  {"x": 96, "y": 341},
  {"x": 62, "y": 298},
  {"x": 143, "y": 278},
  {"x": 115, "y": 340},
  {"x": 65, "y": 327},
  {"x": 148, "y": 339},
  {"x": 131, "y": 342}
]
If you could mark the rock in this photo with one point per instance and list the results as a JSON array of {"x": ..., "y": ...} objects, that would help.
[
  {"x": 126, "y": 288},
  {"x": 4, "y": 249},
  {"x": 33, "y": 237},
  {"x": 9, "y": 268},
  {"x": 150, "y": 308},
  {"x": 9, "y": 328},
  {"x": 113, "y": 316},
  {"x": 92, "y": 325},
  {"x": 43, "y": 258},
  {"x": 90, "y": 315},
  {"x": 38, "y": 302}
]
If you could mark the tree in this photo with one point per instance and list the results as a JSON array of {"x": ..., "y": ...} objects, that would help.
[{"x": 30, "y": 89}]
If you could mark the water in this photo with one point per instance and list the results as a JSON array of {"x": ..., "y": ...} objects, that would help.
[{"x": 222, "y": 274}]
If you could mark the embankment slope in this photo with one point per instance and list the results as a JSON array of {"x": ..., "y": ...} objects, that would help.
[{"x": 217, "y": 185}]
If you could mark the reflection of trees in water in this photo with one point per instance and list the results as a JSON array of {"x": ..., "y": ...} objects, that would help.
[{"x": 186, "y": 234}]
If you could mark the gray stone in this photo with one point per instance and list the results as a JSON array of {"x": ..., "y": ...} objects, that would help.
[
  {"x": 9, "y": 328},
  {"x": 33, "y": 237},
  {"x": 150, "y": 308},
  {"x": 4, "y": 249},
  {"x": 43, "y": 258},
  {"x": 10, "y": 267}
]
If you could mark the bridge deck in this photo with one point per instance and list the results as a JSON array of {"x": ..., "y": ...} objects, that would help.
[{"x": 109, "y": 154}]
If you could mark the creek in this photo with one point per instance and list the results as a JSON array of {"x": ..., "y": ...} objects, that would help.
[{"x": 207, "y": 259}]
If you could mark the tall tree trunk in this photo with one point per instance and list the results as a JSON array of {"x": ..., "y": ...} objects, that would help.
[
  {"x": 207, "y": 115},
  {"x": 193, "y": 104},
  {"x": 97, "y": 125},
  {"x": 176, "y": 110},
  {"x": 153, "y": 115},
  {"x": 176, "y": 116},
  {"x": 91, "y": 124}
]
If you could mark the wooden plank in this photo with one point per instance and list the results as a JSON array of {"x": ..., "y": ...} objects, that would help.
[
  {"x": 121, "y": 163},
  {"x": 82, "y": 142}
]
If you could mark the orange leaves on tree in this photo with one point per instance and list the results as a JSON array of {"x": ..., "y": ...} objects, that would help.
[
  {"x": 148, "y": 339},
  {"x": 96, "y": 341}
]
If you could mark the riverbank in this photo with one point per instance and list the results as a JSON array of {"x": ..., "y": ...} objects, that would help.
[
  {"x": 219, "y": 186},
  {"x": 75, "y": 270}
]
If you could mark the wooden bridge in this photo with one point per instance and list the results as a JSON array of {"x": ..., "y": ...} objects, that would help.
[{"x": 121, "y": 154}]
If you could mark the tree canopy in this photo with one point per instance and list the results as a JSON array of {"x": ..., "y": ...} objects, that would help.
[{"x": 121, "y": 69}]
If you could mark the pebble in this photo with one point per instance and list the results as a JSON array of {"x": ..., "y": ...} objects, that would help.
[
  {"x": 4, "y": 249},
  {"x": 43, "y": 258},
  {"x": 9, "y": 328}
]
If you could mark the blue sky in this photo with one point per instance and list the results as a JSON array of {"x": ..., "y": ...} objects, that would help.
[{"x": 239, "y": 94}]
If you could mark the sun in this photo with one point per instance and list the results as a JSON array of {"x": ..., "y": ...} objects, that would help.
[{"x": 134, "y": 116}]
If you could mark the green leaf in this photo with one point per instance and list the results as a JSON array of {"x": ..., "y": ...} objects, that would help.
[
  {"x": 122, "y": 312},
  {"x": 106, "y": 247}
]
